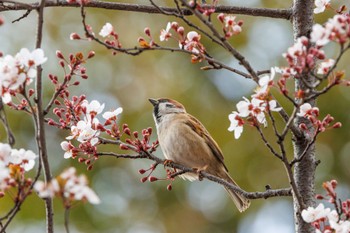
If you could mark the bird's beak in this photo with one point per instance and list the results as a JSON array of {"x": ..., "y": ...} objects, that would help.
[{"x": 154, "y": 102}]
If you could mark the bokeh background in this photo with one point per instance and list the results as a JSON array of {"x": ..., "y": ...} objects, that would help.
[{"x": 129, "y": 206}]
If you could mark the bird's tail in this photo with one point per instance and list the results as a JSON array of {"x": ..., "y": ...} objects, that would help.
[{"x": 240, "y": 201}]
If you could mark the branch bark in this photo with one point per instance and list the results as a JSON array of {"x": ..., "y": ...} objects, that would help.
[
  {"x": 304, "y": 172},
  {"x": 271, "y": 13},
  {"x": 40, "y": 123}
]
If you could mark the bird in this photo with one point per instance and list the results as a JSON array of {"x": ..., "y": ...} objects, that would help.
[{"x": 184, "y": 140}]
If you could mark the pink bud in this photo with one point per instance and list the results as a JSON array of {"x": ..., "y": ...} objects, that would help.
[
  {"x": 61, "y": 62},
  {"x": 337, "y": 125},
  {"x": 221, "y": 17},
  {"x": 136, "y": 134},
  {"x": 147, "y": 31},
  {"x": 152, "y": 179},
  {"x": 169, "y": 187},
  {"x": 319, "y": 197},
  {"x": 81, "y": 160},
  {"x": 303, "y": 126},
  {"x": 174, "y": 25},
  {"x": 59, "y": 54},
  {"x": 144, "y": 179},
  {"x": 142, "y": 171},
  {"x": 91, "y": 54},
  {"x": 123, "y": 147},
  {"x": 89, "y": 168},
  {"x": 149, "y": 129},
  {"x": 84, "y": 76},
  {"x": 127, "y": 131},
  {"x": 334, "y": 183},
  {"x": 74, "y": 36}
]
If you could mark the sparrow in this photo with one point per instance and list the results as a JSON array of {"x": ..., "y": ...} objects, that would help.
[{"x": 184, "y": 140}]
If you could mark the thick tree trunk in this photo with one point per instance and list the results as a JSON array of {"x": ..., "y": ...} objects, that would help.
[{"x": 304, "y": 171}]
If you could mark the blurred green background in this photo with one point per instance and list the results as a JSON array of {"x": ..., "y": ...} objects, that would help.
[{"x": 129, "y": 206}]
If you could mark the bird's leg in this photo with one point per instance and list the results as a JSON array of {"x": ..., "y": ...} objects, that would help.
[
  {"x": 199, "y": 170},
  {"x": 168, "y": 162}
]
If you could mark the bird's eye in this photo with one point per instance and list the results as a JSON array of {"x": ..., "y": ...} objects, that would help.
[{"x": 170, "y": 106}]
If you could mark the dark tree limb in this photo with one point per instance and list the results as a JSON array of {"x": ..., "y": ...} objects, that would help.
[{"x": 286, "y": 14}]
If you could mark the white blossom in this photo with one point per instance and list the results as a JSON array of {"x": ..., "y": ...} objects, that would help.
[
  {"x": 319, "y": 35},
  {"x": 320, "y": 6},
  {"x": 24, "y": 158},
  {"x": 112, "y": 114},
  {"x": 306, "y": 110},
  {"x": 165, "y": 34},
  {"x": 312, "y": 214},
  {"x": 236, "y": 124},
  {"x": 93, "y": 107},
  {"x": 106, "y": 30},
  {"x": 325, "y": 66}
]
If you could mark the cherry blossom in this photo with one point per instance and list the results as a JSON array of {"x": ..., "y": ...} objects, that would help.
[
  {"x": 112, "y": 115},
  {"x": 236, "y": 124},
  {"x": 4, "y": 174},
  {"x": 307, "y": 110},
  {"x": 319, "y": 35},
  {"x": 93, "y": 108},
  {"x": 192, "y": 42},
  {"x": 106, "y": 30},
  {"x": 341, "y": 226},
  {"x": 5, "y": 151},
  {"x": 320, "y": 6},
  {"x": 47, "y": 190},
  {"x": 84, "y": 132},
  {"x": 67, "y": 147},
  {"x": 24, "y": 158},
  {"x": 31, "y": 60},
  {"x": 69, "y": 187},
  {"x": 312, "y": 214},
  {"x": 18, "y": 70},
  {"x": 165, "y": 34},
  {"x": 325, "y": 66}
]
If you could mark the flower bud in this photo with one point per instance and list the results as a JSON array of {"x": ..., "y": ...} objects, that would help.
[
  {"x": 144, "y": 179},
  {"x": 169, "y": 187},
  {"x": 147, "y": 31},
  {"x": 337, "y": 125},
  {"x": 91, "y": 54},
  {"x": 59, "y": 54},
  {"x": 152, "y": 179},
  {"x": 142, "y": 171},
  {"x": 123, "y": 147}
]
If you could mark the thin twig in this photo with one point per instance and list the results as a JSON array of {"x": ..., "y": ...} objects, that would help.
[
  {"x": 138, "y": 50},
  {"x": 23, "y": 16},
  {"x": 10, "y": 137},
  {"x": 225, "y": 43},
  {"x": 267, "y": 144},
  {"x": 300, "y": 158},
  {"x": 40, "y": 122},
  {"x": 66, "y": 219}
]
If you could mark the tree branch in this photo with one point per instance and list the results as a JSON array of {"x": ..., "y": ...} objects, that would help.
[
  {"x": 40, "y": 122},
  {"x": 271, "y": 13},
  {"x": 146, "y": 155}
]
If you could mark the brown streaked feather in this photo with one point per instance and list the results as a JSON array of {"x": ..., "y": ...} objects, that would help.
[{"x": 199, "y": 129}]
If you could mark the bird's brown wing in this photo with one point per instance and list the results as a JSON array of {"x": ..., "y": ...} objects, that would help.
[{"x": 199, "y": 129}]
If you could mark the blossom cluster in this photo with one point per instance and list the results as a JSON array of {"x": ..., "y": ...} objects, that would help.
[
  {"x": 326, "y": 220},
  {"x": 82, "y": 118},
  {"x": 307, "y": 56},
  {"x": 68, "y": 186},
  {"x": 13, "y": 165},
  {"x": 312, "y": 114},
  {"x": 254, "y": 110},
  {"x": 18, "y": 71}
]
